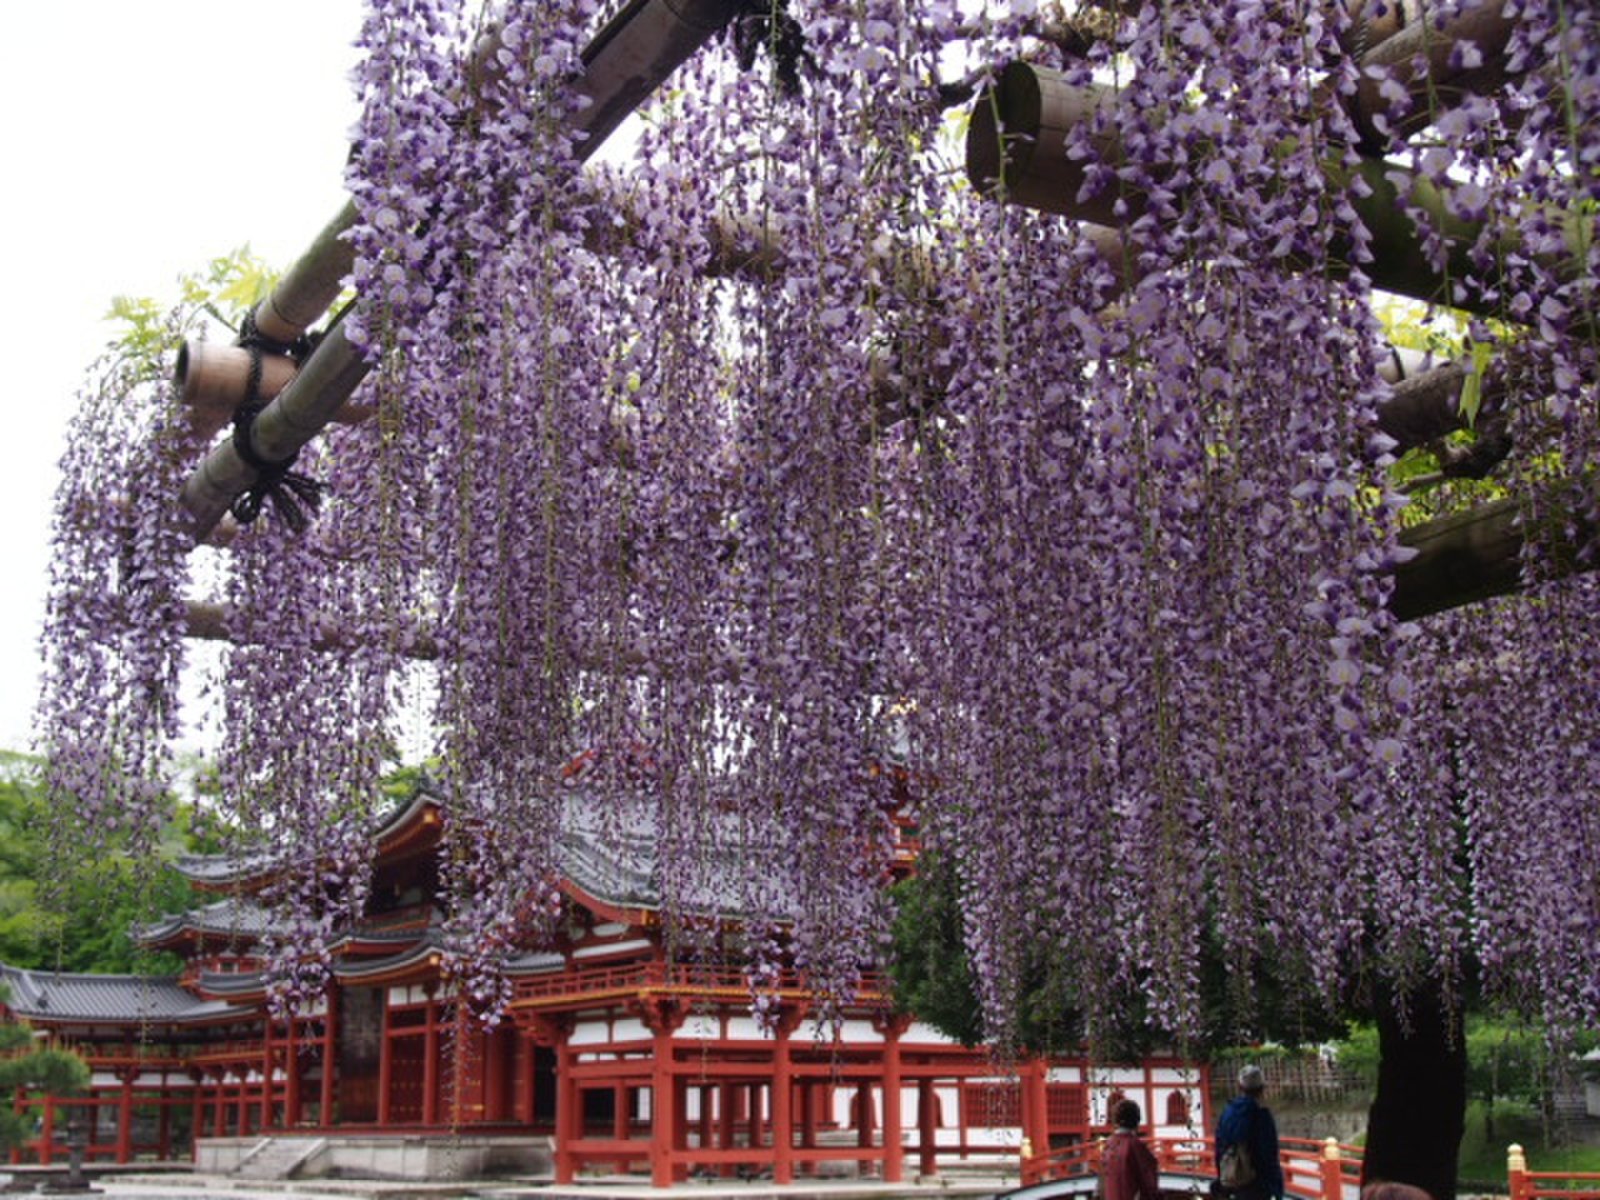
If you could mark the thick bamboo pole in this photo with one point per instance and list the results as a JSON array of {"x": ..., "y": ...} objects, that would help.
[
  {"x": 214, "y": 378},
  {"x": 624, "y": 63},
  {"x": 1016, "y": 150},
  {"x": 312, "y": 284},
  {"x": 1422, "y": 58},
  {"x": 1477, "y": 555}
]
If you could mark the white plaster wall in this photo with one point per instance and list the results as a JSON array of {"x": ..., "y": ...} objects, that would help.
[
  {"x": 629, "y": 1029},
  {"x": 605, "y": 949},
  {"x": 591, "y": 1033}
]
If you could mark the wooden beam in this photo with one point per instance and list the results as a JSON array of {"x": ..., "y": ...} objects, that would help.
[
  {"x": 1477, "y": 555},
  {"x": 1421, "y": 58},
  {"x": 624, "y": 63},
  {"x": 1016, "y": 151}
]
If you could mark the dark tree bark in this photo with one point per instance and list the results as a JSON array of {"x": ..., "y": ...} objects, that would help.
[{"x": 1419, "y": 1112}]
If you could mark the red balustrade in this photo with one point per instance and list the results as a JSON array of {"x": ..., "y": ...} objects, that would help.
[
  {"x": 1548, "y": 1185},
  {"x": 1326, "y": 1170}
]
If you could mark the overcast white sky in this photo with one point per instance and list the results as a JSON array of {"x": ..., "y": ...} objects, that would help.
[{"x": 139, "y": 138}]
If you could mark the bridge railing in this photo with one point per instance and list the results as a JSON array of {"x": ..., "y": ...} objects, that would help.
[
  {"x": 1548, "y": 1185},
  {"x": 1321, "y": 1170}
]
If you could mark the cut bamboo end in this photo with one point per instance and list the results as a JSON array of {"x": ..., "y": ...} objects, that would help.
[{"x": 213, "y": 380}]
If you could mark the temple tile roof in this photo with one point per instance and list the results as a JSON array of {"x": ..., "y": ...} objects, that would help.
[
  {"x": 610, "y": 850},
  {"x": 58, "y": 997},
  {"x": 219, "y": 870},
  {"x": 231, "y": 917}
]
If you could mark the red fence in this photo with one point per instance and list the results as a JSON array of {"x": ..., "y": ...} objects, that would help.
[
  {"x": 1327, "y": 1170},
  {"x": 1548, "y": 1185}
]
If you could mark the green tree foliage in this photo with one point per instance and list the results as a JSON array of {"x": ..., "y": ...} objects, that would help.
[
  {"x": 933, "y": 977},
  {"x": 81, "y": 921},
  {"x": 27, "y": 1066}
]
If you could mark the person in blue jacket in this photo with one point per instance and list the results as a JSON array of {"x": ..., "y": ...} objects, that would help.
[{"x": 1249, "y": 1121}]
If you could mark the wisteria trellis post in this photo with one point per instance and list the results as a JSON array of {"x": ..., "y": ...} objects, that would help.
[{"x": 1122, "y": 570}]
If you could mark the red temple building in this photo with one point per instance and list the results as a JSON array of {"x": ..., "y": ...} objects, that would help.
[{"x": 617, "y": 1056}]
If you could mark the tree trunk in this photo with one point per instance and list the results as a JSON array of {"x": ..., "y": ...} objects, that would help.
[{"x": 1419, "y": 1112}]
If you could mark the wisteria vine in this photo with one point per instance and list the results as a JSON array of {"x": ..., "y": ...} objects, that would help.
[{"x": 780, "y": 457}]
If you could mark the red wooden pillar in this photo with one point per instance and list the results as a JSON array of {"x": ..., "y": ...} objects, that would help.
[
  {"x": 385, "y": 1065},
  {"x": 125, "y": 1116},
  {"x": 291, "y": 1076},
  {"x": 430, "y": 1064},
  {"x": 568, "y": 1114},
  {"x": 1035, "y": 1108},
  {"x": 19, "y": 1105},
  {"x": 893, "y": 1144},
  {"x": 669, "y": 1130},
  {"x": 330, "y": 1024},
  {"x": 866, "y": 1120},
  {"x": 706, "y": 1105},
  {"x": 164, "y": 1122},
  {"x": 927, "y": 1129},
  {"x": 197, "y": 1111},
  {"x": 665, "y": 1124},
  {"x": 522, "y": 1084},
  {"x": 808, "y": 1115},
  {"x": 242, "y": 1100},
  {"x": 758, "y": 1115},
  {"x": 494, "y": 1075},
  {"x": 727, "y": 1115},
  {"x": 266, "y": 1072},
  {"x": 783, "y": 1099},
  {"x": 621, "y": 1126},
  {"x": 47, "y": 1130},
  {"x": 219, "y": 1116}
]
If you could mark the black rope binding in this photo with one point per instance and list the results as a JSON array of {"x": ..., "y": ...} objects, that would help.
[{"x": 291, "y": 492}]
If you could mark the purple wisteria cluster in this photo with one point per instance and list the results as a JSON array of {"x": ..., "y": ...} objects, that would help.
[{"x": 778, "y": 461}]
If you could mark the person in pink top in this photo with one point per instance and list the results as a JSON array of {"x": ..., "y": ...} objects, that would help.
[{"x": 1127, "y": 1168}]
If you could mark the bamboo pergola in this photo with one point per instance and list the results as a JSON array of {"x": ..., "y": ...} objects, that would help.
[{"x": 1018, "y": 132}]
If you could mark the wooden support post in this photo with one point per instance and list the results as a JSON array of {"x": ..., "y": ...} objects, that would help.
[
  {"x": 164, "y": 1123},
  {"x": 47, "y": 1130},
  {"x": 1332, "y": 1171},
  {"x": 266, "y": 1072},
  {"x": 808, "y": 1115},
  {"x": 569, "y": 1114},
  {"x": 330, "y": 1023},
  {"x": 241, "y": 1102},
  {"x": 385, "y": 1065},
  {"x": 927, "y": 1129},
  {"x": 1518, "y": 1183},
  {"x": 494, "y": 1075},
  {"x": 727, "y": 1115},
  {"x": 291, "y": 1072},
  {"x": 782, "y": 1105},
  {"x": 430, "y": 1064},
  {"x": 893, "y": 1144},
  {"x": 664, "y": 1104},
  {"x": 197, "y": 1111},
  {"x": 1035, "y": 1106},
  {"x": 125, "y": 1116},
  {"x": 219, "y": 1117}
]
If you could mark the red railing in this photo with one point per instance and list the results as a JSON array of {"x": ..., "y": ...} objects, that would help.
[
  {"x": 1327, "y": 1170},
  {"x": 1548, "y": 1185},
  {"x": 587, "y": 982}
]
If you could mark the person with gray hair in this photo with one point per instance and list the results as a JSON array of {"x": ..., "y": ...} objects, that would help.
[{"x": 1248, "y": 1167}]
